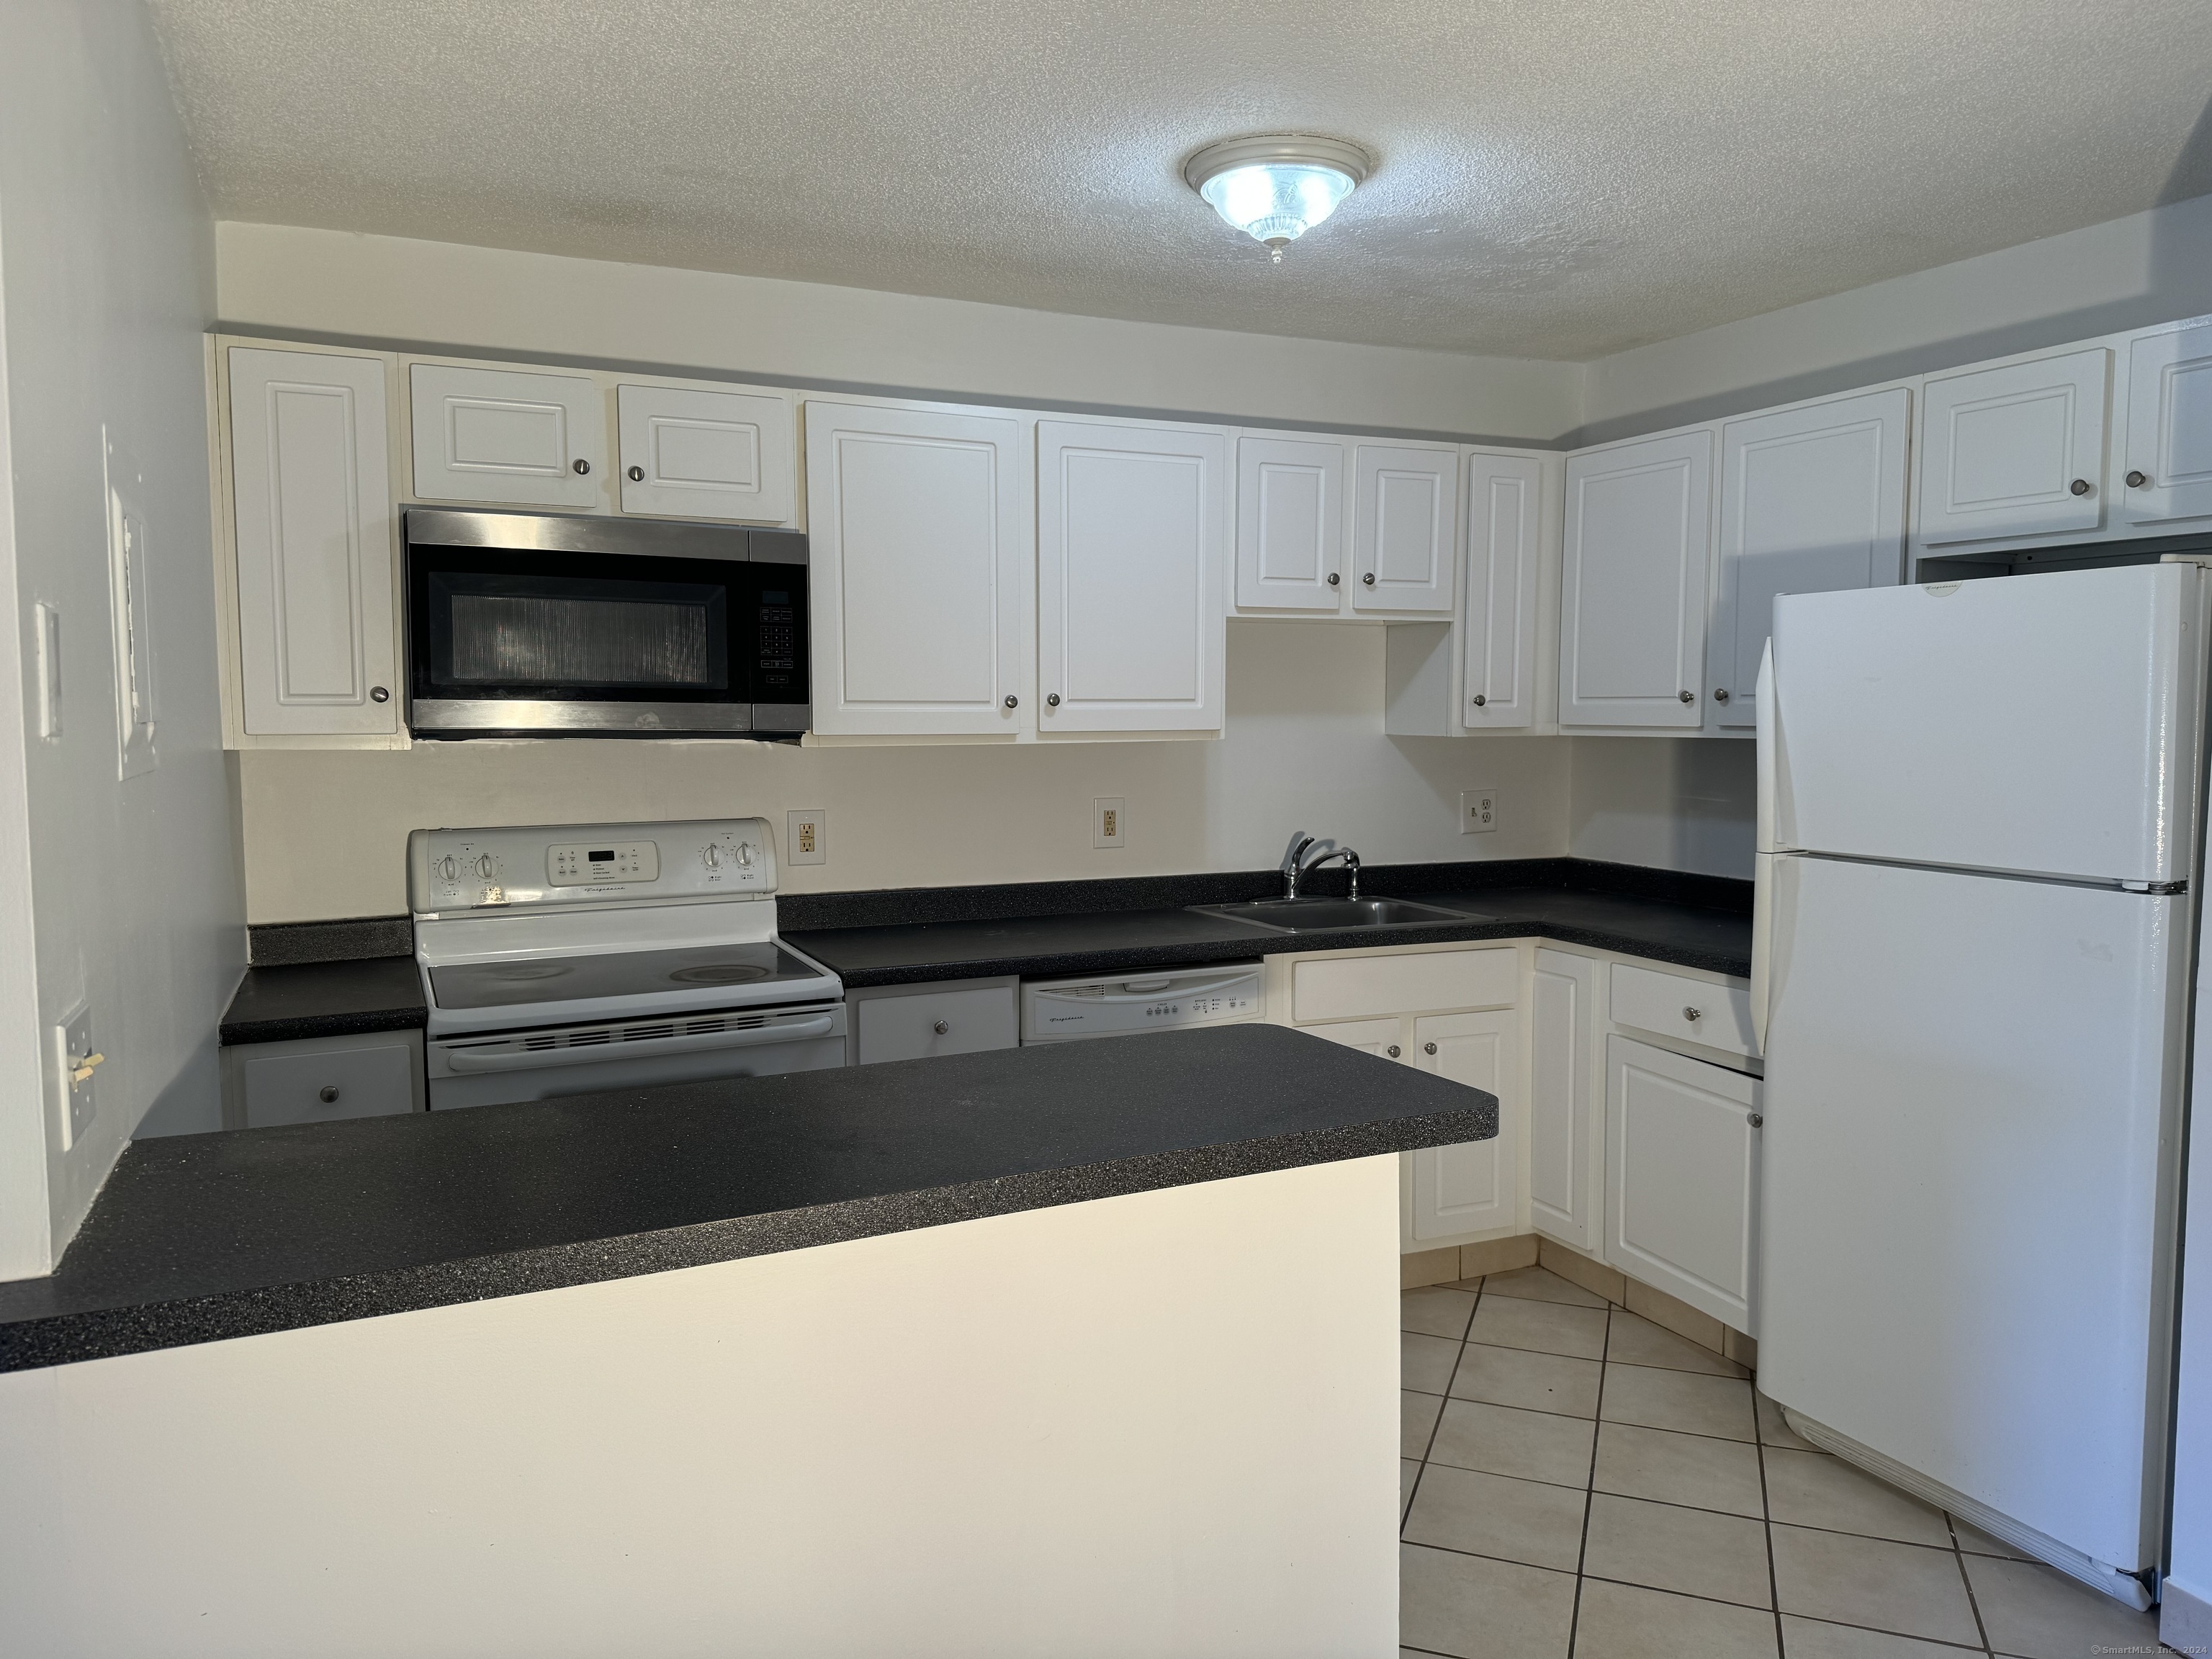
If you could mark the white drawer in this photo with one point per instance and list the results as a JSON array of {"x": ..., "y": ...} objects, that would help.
[
  {"x": 322, "y": 1080},
  {"x": 963, "y": 1021},
  {"x": 1688, "y": 1009},
  {"x": 1362, "y": 987}
]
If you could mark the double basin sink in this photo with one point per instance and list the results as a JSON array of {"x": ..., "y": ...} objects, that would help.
[{"x": 1300, "y": 915}]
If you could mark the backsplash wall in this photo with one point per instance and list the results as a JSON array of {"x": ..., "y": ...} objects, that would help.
[{"x": 326, "y": 831}]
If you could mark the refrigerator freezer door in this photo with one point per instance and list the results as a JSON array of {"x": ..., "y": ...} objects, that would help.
[
  {"x": 2043, "y": 724},
  {"x": 1970, "y": 1095}
]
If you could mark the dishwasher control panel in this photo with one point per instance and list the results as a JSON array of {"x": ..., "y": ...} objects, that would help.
[{"x": 1061, "y": 1010}]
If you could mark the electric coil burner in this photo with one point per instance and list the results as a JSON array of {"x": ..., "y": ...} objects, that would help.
[{"x": 583, "y": 957}]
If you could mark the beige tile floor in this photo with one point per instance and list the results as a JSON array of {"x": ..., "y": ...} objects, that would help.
[{"x": 1579, "y": 1482}]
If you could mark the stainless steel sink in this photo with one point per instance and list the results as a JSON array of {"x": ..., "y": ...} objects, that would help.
[{"x": 1300, "y": 916}]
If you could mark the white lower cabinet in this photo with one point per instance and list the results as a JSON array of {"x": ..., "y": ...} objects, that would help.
[
  {"x": 1472, "y": 1188},
  {"x": 1566, "y": 1099},
  {"x": 1681, "y": 1189}
]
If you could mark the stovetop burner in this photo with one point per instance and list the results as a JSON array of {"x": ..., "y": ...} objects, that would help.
[
  {"x": 721, "y": 973},
  {"x": 614, "y": 974}
]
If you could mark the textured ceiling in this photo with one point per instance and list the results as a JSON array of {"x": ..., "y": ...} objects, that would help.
[{"x": 1558, "y": 177}]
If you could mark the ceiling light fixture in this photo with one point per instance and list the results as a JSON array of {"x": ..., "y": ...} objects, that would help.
[{"x": 1276, "y": 188}]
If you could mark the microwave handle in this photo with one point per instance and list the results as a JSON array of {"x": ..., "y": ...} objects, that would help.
[{"x": 509, "y": 1059}]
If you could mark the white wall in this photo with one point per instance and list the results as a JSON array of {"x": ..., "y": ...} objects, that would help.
[
  {"x": 135, "y": 894},
  {"x": 325, "y": 832},
  {"x": 2150, "y": 267},
  {"x": 1674, "y": 803},
  {"x": 389, "y": 288}
]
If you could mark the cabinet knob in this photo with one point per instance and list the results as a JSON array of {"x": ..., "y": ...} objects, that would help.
[
  {"x": 942, "y": 1027},
  {"x": 1368, "y": 579},
  {"x": 1392, "y": 1051},
  {"x": 378, "y": 694},
  {"x": 581, "y": 464},
  {"x": 1428, "y": 1048},
  {"x": 637, "y": 475},
  {"x": 327, "y": 1093},
  {"x": 1481, "y": 702},
  {"x": 1052, "y": 700},
  {"x": 1012, "y": 702},
  {"x": 1720, "y": 694},
  {"x": 2138, "y": 480},
  {"x": 1694, "y": 1014},
  {"x": 1687, "y": 696},
  {"x": 1334, "y": 579},
  {"x": 2080, "y": 486},
  {"x": 1755, "y": 1120}
]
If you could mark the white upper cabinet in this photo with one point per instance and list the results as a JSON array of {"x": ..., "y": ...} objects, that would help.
[
  {"x": 493, "y": 434},
  {"x": 918, "y": 527},
  {"x": 1132, "y": 546},
  {"x": 696, "y": 454},
  {"x": 1633, "y": 597},
  {"x": 2017, "y": 450},
  {"x": 1498, "y": 631},
  {"x": 1812, "y": 502},
  {"x": 1405, "y": 528},
  {"x": 1289, "y": 523},
  {"x": 2168, "y": 475},
  {"x": 312, "y": 495}
]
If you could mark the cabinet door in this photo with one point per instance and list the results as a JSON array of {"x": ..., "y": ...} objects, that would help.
[
  {"x": 493, "y": 434},
  {"x": 1681, "y": 1178},
  {"x": 321, "y": 1081},
  {"x": 1383, "y": 1037},
  {"x": 1405, "y": 528},
  {"x": 1812, "y": 502},
  {"x": 2170, "y": 426},
  {"x": 927, "y": 1023},
  {"x": 688, "y": 454},
  {"x": 1471, "y": 1187},
  {"x": 915, "y": 520},
  {"x": 312, "y": 494},
  {"x": 1132, "y": 541},
  {"x": 1499, "y": 629},
  {"x": 1290, "y": 523},
  {"x": 2015, "y": 451},
  {"x": 1567, "y": 1155},
  {"x": 1632, "y": 601}
]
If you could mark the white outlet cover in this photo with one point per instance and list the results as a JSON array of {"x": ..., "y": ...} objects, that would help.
[
  {"x": 1110, "y": 821},
  {"x": 1477, "y": 811},
  {"x": 807, "y": 841}
]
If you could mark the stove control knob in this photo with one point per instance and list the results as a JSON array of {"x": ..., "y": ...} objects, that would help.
[
  {"x": 483, "y": 867},
  {"x": 744, "y": 855},
  {"x": 712, "y": 858},
  {"x": 447, "y": 868}
]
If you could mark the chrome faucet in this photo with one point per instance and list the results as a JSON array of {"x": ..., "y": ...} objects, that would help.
[
  {"x": 1296, "y": 864},
  {"x": 1349, "y": 859}
]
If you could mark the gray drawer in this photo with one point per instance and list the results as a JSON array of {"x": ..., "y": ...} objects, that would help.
[
  {"x": 323, "y": 1078},
  {"x": 911, "y": 1022}
]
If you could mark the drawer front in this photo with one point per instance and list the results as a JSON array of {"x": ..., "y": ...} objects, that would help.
[
  {"x": 936, "y": 1023},
  {"x": 361, "y": 1079},
  {"x": 1365, "y": 988},
  {"x": 1688, "y": 1009}
]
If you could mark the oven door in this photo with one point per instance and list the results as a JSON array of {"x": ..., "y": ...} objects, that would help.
[{"x": 521, "y": 625}]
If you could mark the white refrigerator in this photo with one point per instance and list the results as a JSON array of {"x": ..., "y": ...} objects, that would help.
[{"x": 1975, "y": 942}]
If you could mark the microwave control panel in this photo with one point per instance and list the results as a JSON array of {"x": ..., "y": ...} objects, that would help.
[{"x": 451, "y": 870}]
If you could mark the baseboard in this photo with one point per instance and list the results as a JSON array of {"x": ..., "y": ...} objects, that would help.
[
  {"x": 2184, "y": 1619},
  {"x": 1451, "y": 1262}
]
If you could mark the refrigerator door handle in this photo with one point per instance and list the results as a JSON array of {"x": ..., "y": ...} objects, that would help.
[
  {"x": 1765, "y": 731},
  {"x": 1762, "y": 864}
]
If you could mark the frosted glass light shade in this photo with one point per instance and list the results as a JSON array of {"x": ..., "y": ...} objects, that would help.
[{"x": 1276, "y": 188}]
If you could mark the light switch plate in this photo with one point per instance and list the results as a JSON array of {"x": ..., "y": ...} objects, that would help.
[
  {"x": 72, "y": 1038},
  {"x": 1477, "y": 811},
  {"x": 1110, "y": 821},
  {"x": 808, "y": 840}
]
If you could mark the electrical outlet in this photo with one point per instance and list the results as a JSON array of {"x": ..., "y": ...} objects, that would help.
[
  {"x": 76, "y": 1064},
  {"x": 809, "y": 839},
  {"x": 1477, "y": 811},
  {"x": 1110, "y": 821}
]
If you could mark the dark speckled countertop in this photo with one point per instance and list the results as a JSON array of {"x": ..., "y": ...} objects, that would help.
[{"x": 200, "y": 1238}]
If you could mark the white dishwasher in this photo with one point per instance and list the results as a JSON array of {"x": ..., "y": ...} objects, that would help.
[{"x": 1069, "y": 1010}]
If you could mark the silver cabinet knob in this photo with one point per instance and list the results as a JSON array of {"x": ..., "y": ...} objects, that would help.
[
  {"x": 1052, "y": 700},
  {"x": 1392, "y": 1051},
  {"x": 1687, "y": 696},
  {"x": 942, "y": 1027},
  {"x": 1755, "y": 1120},
  {"x": 378, "y": 694},
  {"x": 1720, "y": 694},
  {"x": 1334, "y": 579},
  {"x": 1012, "y": 702},
  {"x": 581, "y": 466},
  {"x": 2079, "y": 487},
  {"x": 637, "y": 475},
  {"x": 1481, "y": 702},
  {"x": 327, "y": 1093},
  {"x": 1428, "y": 1048},
  {"x": 1368, "y": 579},
  {"x": 2138, "y": 480},
  {"x": 1694, "y": 1014}
]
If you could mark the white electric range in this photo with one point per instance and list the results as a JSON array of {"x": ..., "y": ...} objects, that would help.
[{"x": 572, "y": 959}]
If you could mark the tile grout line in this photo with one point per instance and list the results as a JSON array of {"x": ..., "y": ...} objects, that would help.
[
  {"x": 1973, "y": 1602},
  {"x": 1590, "y": 1492},
  {"x": 1766, "y": 1522},
  {"x": 1406, "y": 1504}
]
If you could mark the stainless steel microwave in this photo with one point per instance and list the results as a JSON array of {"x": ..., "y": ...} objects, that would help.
[{"x": 527, "y": 624}]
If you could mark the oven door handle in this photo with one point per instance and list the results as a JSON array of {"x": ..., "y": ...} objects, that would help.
[{"x": 517, "y": 1059}]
